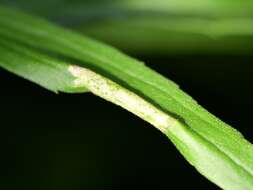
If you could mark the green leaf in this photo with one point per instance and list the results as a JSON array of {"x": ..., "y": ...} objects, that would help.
[
  {"x": 174, "y": 35},
  {"x": 101, "y": 8},
  {"x": 51, "y": 74},
  {"x": 32, "y": 47},
  {"x": 193, "y": 26}
]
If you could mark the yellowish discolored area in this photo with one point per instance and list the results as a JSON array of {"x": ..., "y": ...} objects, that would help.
[{"x": 117, "y": 94}]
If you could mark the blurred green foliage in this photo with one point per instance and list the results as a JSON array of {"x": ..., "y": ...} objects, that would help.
[{"x": 157, "y": 27}]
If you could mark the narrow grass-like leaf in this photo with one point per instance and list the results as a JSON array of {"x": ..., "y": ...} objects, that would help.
[
  {"x": 51, "y": 74},
  {"x": 97, "y": 8},
  {"x": 170, "y": 35},
  {"x": 215, "y": 149},
  {"x": 164, "y": 27}
]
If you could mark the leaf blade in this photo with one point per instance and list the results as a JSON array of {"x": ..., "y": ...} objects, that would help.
[{"x": 192, "y": 127}]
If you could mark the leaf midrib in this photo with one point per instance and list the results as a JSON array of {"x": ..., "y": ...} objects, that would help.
[
  {"x": 77, "y": 47},
  {"x": 108, "y": 61}
]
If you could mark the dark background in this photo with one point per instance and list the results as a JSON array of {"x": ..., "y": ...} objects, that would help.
[{"x": 80, "y": 141}]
